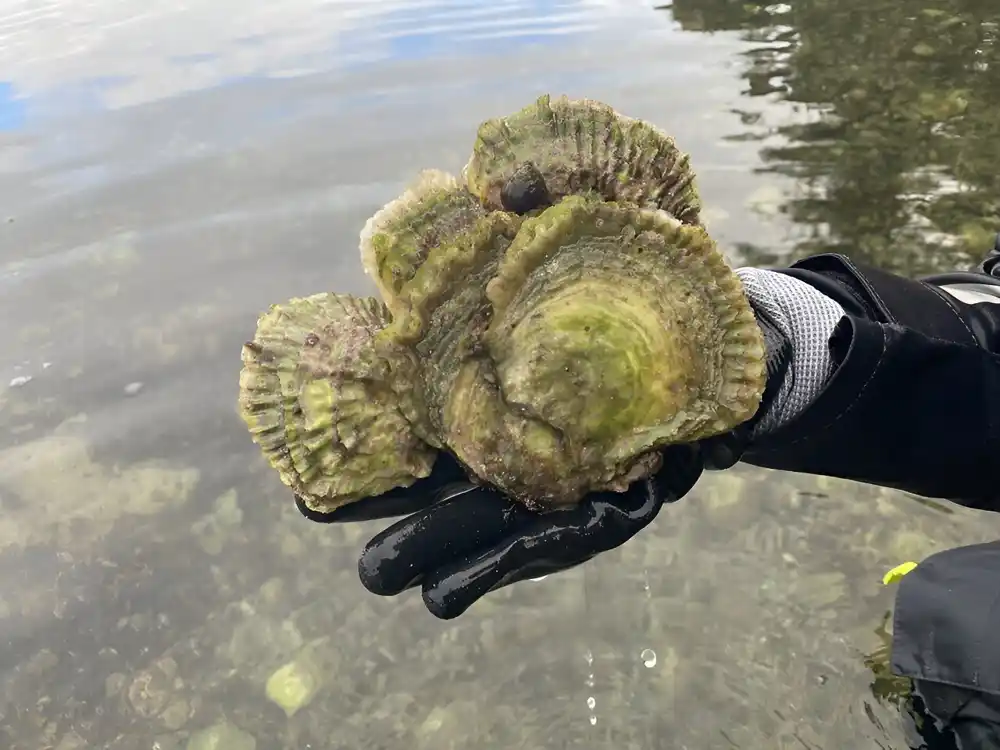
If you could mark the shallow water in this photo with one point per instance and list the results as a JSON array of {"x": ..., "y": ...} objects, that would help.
[{"x": 164, "y": 177}]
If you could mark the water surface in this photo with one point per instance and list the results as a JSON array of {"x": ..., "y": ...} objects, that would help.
[{"x": 166, "y": 176}]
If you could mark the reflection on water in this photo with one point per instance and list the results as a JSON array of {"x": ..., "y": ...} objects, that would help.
[
  {"x": 165, "y": 176},
  {"x": 894, "y": 145},
  {"x": 111, "y": 53}
]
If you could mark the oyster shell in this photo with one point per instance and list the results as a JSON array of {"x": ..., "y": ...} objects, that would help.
[
  {"x": 396, "y": 240},
  {"x": 558, "y": 358},
  {"x": 336, "y": 416},
  {"x": 551, "y": 334},
  {"x": 559, "y": 147}
]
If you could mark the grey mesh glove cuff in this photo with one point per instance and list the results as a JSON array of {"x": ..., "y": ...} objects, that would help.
[{"x": 806, "y": 317}]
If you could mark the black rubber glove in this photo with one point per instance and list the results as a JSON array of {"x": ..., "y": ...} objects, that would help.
[{"x": 460, "y": 541}]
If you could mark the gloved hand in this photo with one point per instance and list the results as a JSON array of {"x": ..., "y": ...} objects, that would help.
[{"x": 459, "y": 541}]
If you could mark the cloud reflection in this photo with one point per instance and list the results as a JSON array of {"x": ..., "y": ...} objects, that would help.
[{"x": 49, "y": 51}]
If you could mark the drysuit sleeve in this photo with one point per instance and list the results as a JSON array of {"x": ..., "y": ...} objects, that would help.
[
  {"x": 910, "y": 398},
  {"x": 903, "y": 391}
]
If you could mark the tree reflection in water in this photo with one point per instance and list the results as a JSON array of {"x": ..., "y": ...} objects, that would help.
[{"x": 897, "y": 160}]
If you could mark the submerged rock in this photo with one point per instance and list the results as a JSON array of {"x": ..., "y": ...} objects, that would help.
[
  {"x": 223, "y": 736},
  {"x": 150, "y": 689},
  {"x": 294, "y": 685}
]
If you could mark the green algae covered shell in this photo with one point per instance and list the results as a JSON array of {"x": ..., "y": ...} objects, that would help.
[
  {"x": 552, "y": 320},
  {"x": 444, "y": 310},
  {"x": 602, "y": 332},
  {"x": 396, "y": 240},
  {"x": 335, "y": 415},
  {"x": 578, "y": 146},
  {"x": 623, "y": 329}
]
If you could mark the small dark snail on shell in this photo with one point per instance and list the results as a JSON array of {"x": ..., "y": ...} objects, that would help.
[{"x": 525, "y": 191}]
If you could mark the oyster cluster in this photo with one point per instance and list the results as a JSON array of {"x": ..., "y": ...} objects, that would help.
[{"x": 551, "y": 318}]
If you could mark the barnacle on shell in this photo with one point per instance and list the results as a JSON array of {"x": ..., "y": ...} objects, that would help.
[
  {"x": 559, "y": 147},
  {"x": 552, "y": 322}
]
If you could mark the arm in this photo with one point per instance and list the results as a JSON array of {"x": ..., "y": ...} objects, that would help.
[
  {"x": 896, "y": 382},
  {"x": 907, "y": 391}
]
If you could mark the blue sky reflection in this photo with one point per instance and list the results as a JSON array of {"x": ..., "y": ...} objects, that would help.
[{"x": 12, "y": 109}]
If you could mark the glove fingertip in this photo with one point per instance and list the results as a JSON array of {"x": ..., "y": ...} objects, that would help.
[
  {"x": 439, "y": 606},
  {"x": 371, "y": 571},
  {"x": 449, "y": 592}
]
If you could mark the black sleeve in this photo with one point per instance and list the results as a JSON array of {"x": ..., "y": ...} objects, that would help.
[
  {"x": 944, "y": 624},
  {"x": 914, "y": 402}
]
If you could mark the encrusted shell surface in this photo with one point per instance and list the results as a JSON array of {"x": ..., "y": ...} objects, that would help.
[
  {"x": 559, "y": 360},
  {"x": 396, "y": 240},
  {"x": 335, "y": 414},
  {"x": 577, "y": 146},
  {"x": 443, "y": 310},
  {"x": 623, "y": 328},
  {"x": 551, "y": 320}
]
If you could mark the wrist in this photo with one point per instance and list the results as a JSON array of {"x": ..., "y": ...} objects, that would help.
[{"x": 797, "y": 321}]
